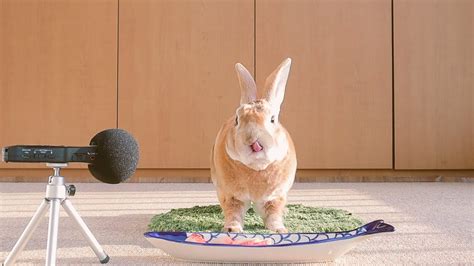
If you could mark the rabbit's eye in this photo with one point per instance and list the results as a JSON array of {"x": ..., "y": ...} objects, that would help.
[
  {"x": 236, "y": 120},
  {"x": 272, "y": 119}
]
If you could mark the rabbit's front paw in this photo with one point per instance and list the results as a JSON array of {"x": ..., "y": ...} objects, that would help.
[
  {"x": 275, "y": 224},
  {"x": 281, "y": 230},
  {"x": 233, "y": 227}
]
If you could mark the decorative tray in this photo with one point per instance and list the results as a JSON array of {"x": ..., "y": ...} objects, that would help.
[{"x": 242, "y": 247}]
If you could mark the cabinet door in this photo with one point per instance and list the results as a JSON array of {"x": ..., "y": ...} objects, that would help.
[
  {"x": 57, "y": 71},
  {"x": 434, "y": 84},
  {"x": 338, "y": 104},
  {"x": 177, "y": 82}
]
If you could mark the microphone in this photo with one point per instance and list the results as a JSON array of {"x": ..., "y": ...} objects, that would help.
[
  {"x": 117, "y": 156},
  {"x": 112, "y": 156}
]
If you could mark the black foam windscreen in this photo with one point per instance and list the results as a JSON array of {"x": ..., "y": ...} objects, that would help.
[{"x": 117, "y": 156}]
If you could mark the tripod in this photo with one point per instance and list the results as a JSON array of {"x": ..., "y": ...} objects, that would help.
[{"x": 56, "y": 195}]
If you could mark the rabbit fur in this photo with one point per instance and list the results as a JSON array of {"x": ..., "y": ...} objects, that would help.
[{"x": 253, "y": 159}]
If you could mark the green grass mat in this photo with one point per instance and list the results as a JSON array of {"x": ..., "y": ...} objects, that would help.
[{"x": 299, "y": 219}]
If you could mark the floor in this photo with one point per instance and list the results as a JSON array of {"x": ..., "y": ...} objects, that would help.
[{"x": 434, "y": 221}]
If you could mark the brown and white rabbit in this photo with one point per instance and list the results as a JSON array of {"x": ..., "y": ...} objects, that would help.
[{"x": 253, "y": 158}]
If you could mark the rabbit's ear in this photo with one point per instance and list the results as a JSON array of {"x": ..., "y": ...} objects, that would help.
[
  {"x": 248, "y": 88},
  {"x": 275, "y": 84}
]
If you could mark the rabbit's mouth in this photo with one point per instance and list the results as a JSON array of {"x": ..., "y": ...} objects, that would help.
[{"x": 256, "y": 146}]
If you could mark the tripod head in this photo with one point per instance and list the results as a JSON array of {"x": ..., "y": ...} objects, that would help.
[
  {"x": 57, "y": 187},
  {"x": 57, "y": 167}
]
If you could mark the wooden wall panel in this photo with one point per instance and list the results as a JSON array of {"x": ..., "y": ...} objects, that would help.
[
  {"x": 57, "y": 71},
  {"x": 338, "y": 104},
  {"x": 177, "y": 82},
  {"x": 434, "y": 84}
]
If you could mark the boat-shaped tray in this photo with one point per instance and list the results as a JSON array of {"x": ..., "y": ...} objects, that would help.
[{"x": 243, "y": 247}]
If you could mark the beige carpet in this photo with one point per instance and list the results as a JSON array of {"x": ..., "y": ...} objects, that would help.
[{"x": 434, "y": 221}]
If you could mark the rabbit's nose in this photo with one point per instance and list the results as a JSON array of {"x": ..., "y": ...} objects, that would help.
[{"x": 256, "y": 147}]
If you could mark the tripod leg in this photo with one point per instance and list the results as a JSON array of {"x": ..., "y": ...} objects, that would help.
[
  {"x": 71, "y": 211},
  {"x": 25, "y": 236},
  {"x": 53, "y": 232}
]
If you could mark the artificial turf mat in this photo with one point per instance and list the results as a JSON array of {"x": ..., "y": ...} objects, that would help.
[{"x": 298, "y": 219}]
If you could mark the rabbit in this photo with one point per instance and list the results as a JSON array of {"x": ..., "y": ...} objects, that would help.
[{"x": 253, "y": 159}]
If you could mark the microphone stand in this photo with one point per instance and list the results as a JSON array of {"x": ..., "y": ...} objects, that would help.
[{"x": 56, "y": 195}]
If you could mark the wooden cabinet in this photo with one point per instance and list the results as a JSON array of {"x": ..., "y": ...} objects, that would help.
[
  {"x": 434, "y": 84},
  {"x": 57, "y": 71},
  {"x": 164, "y": 70},
  {"x": 338, "y": 104},
  {"x": 177, "y": 82}
]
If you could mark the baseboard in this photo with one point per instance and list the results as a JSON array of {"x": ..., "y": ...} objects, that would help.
[{"x": 203, "y": 175}]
